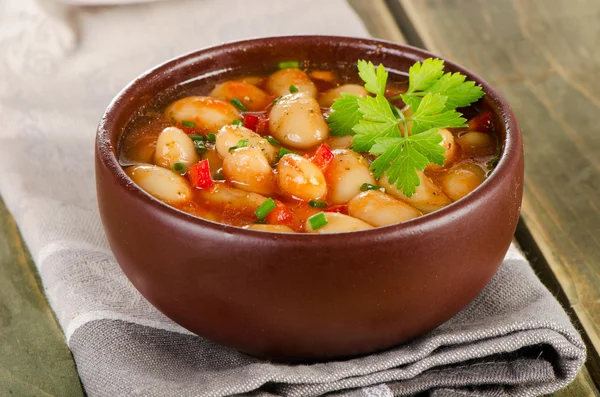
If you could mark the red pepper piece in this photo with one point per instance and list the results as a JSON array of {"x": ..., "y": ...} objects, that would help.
[
  {"x": 258, "y": 123},
  {"x": 323, "y": 157},
  {"x": 342, "y": 209},
  {"x": 199, "y": 175},
  {"x": 280, "y": 215},
  {"x": 481, "y": 123},
  {"x": 250, "y": 121},
  {"x": 262, "y": 127}
]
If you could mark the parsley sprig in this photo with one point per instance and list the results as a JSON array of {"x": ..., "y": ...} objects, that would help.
[{"x": 405, "y": 142}]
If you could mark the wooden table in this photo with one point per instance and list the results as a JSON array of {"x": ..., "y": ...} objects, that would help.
[{"x": 544, "y": 57}]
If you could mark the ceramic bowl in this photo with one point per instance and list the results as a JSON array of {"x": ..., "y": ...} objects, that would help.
[{"x": 301, "y": 297}]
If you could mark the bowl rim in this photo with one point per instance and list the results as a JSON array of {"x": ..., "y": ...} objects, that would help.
[{"x": 106, "y": 152}]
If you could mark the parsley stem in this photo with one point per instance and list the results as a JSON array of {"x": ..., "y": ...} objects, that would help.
[
  {"x": 399, "y": 96},
  {"x": 400, "y": 114}
]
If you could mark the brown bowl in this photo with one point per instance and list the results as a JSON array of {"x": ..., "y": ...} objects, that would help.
[{"x": 300, "y": 296}]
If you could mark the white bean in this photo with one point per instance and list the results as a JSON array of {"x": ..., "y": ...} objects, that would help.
[
  {"x": 449, "y": 149},
  {"x": 209, "y": 114},
  {"x": 223, "y": 196},
  {"x": 270, "y": 228},
  {"x": 479, "y": 143},
  {"x": 248, "y": 169},
  {"x": 340, "y": 142},
  {"x": 379, "y": 209},
  {"x": 338, "y": 223},
  {"x": 252, "y": 97},
  {"x": 230, "y": 135},
  {"x": 164, "y": 184},
  {"x": 174, "y": 146},
  {"x": 279, "y": 82},
  {"x": 461, "y": 180},
  {"x": 346, "y": 173},
  {"x": 300, "y": 178},
  {"x": 296, "y": 120},
  {"x": 427, "y": 198},
  {"x": 327, "y": 98}
]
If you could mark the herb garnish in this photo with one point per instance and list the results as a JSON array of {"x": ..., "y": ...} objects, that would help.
[
  {"x": 288, "y": 64},
  {"x": 283, "y": 151},
  {"x": 265, "y": 208},
  {"x": 272, "y": 141},
  {"x": 241, "y": 143},
  {"x": 238, "y": 104},
  {"x": 404, "y": 142},
  {"x": 367, "y": 186},
  {"x": 317, "y": 221},
  {"x": 317, "y": 204},
  {"x": 180, "y": 168},
  {"x": 200, "y": 146}
]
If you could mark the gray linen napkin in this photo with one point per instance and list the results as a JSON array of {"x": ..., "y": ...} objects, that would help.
[{"x": 59, "y": 67}]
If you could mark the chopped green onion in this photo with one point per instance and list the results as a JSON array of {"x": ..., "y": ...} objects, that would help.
[
  {"x": 317, "y": 221},
  {"x": 317, "y": 204},
  {"x": 288, "y": 64},
  {"x": 265, "y": 208},
  {"x": 219, "y": 175},
  {"x": 272, "y": 141},
  {"x": 236, "y": 122},
  {"x": 211, "y": 138},
  {"x": 293, "y": 89},
  {"x": 179, "y": 168},
  {"x": 186, "y": 123},
  {"x": 367, "y": 186},
  {"x": 200, "y": 147},
  {"x": 283, "y": 151},
  {"x": 197, "y": 138},
  {"x": 241, "y": 143},
  {"x": 238, "y": 104},
  {"x": 260, "y": 221},
  {"x": 493, "y": 162}
]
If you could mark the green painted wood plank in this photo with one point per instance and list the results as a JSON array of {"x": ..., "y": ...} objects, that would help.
[{"x": 34, "y": 359}]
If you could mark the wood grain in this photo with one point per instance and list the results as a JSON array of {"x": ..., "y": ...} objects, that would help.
[
  {"x": 377, "y": 19},
  {"x": 34, "y": 359},
  {"x": 543, "y": 56}
]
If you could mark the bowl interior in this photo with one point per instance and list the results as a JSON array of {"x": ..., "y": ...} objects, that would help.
[{"x": 199, "y": 71}]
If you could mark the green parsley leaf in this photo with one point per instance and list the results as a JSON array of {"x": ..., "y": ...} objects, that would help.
[
  {"x": 375, "y": 79},
  {"x": 429, "y": 77},
  {"x": 431, "y": 114},
  {"x": 428, "y": 144},
  {"x": 378, "y": 121},
  {"x": 458, "y": 92},
  {"x": 432, "y": 97},
  {"x": 345, "y": 115},
  {"x": 400, "y": 161},
  {"x": 423, "y": 75},
  {"x": 402, "y": 158}
]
